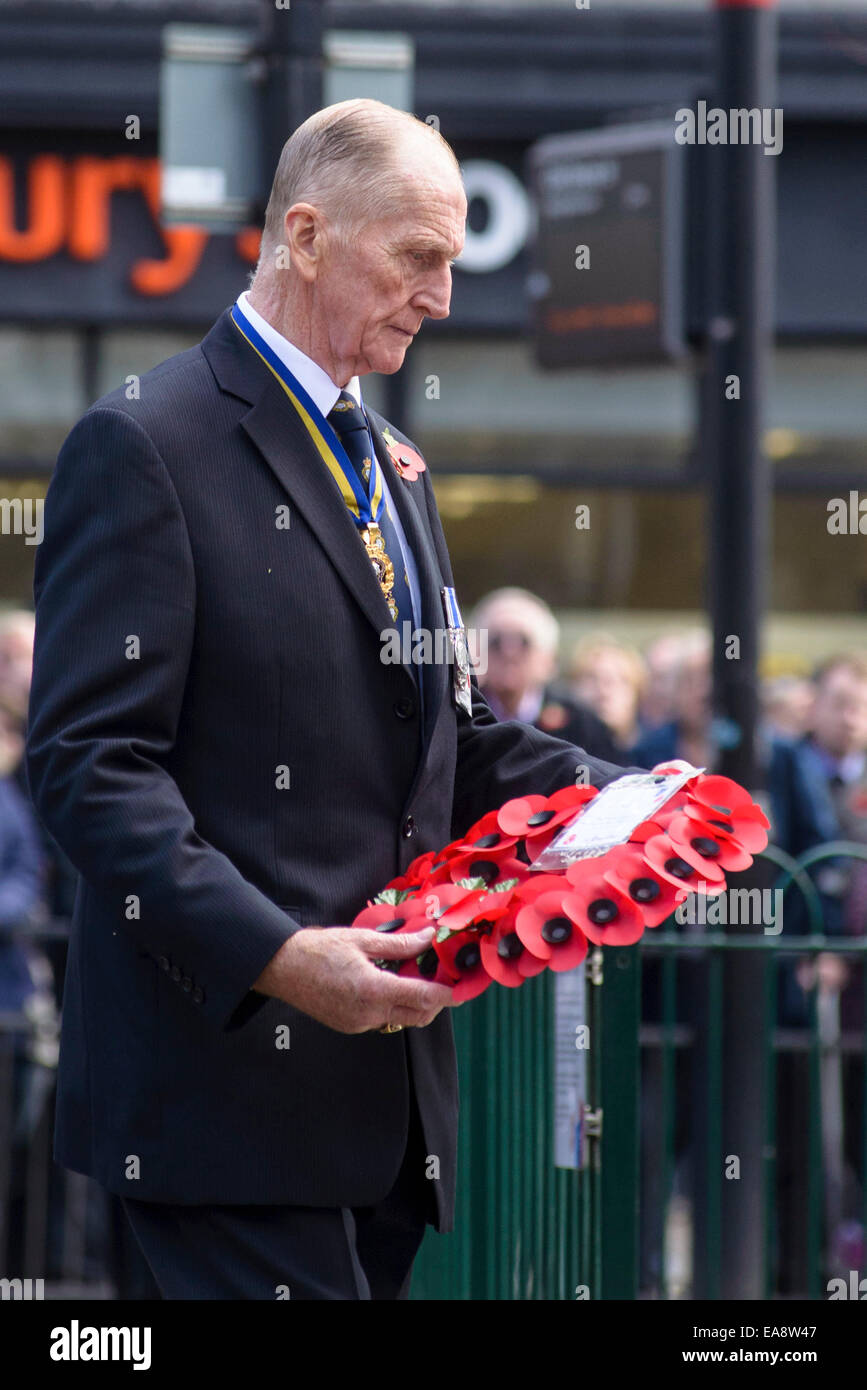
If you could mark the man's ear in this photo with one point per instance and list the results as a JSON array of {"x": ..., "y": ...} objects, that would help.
[{"x": 303, "y": 230}]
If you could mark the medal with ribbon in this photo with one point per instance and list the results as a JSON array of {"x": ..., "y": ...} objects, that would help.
[
  {"x": 461, "y": 688},
  {"x": 365, "y": 506}
]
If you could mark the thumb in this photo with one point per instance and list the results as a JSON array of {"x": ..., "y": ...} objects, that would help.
[{"x": 397, "y": 945}]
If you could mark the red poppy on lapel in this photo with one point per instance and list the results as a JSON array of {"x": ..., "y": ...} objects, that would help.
[{"x": 407, "y": 462}]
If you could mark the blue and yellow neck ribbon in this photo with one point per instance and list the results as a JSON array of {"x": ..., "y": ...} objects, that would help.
[{"x": 365, "y": 507}]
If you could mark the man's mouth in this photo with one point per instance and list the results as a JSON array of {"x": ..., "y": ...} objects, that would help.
[{"x": 404, "y": 331}]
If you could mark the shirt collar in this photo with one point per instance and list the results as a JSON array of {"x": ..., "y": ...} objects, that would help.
[{"x": 317, "y": 383}]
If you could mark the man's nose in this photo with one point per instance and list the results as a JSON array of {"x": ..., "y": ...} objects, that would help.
[{"x": 434, "y": 299}]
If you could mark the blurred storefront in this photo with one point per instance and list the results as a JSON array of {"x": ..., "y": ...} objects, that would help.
[{"x": 93, "y": 292}]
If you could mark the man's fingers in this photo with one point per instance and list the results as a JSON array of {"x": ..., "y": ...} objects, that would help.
[
  {"x": 416, "y": 996},
  {"x": 395, "y": 945}
]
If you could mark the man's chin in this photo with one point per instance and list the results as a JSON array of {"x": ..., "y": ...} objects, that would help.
[{"x": 389, "y": 359}]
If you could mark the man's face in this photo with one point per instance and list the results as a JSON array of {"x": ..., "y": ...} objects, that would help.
[
  {"x": 516, "y": 661},
  {"x": 840, "y": 712},
  {"x": 373, "y": 292},
  {"x": 608, "y": 686}
]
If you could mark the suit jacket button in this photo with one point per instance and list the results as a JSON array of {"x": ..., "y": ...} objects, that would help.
[
  {"x": 176, "y": 973},
  {"x": 198, "y": 995},
  {"x": 164, "y": 963},
  {"x": 408, "y": 827},
  {"x": 186, "y": 984},
  {"x": 405, "y": 709}
]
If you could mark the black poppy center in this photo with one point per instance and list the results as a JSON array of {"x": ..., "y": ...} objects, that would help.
[
  {"x": 725, "y": 825},
  {"x": 678, "y": 867},
  {"x": 521, "y": 852},
  {"x": 468, "y": 956},
  {"x": 723, "y": 810},
  {"x": 703, "y": 844},
  {"x": 427, "y": 964},
  {"x": 485, "y": 869},
  {"x": 510, "y": 947},
  {"x": 602, "y": 910},
  {"x": 487, "y": 841},
  {"x": 644, "y": 890},
  {"x": 390, "y": 926},
  {"x": 556, "y": 929},
  {"x": 540, "y": 817}
]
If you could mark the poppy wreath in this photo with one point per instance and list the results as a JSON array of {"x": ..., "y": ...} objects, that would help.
[{"x": 498, "y": 921}]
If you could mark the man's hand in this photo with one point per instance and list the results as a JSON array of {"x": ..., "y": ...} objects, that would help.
[{"x": 328, "y": 973}]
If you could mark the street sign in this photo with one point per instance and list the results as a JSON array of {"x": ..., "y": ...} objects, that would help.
[{"x": 606, "y": 284}]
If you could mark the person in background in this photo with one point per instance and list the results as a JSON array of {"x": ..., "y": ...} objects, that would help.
[
  {"x": 787, "y": 702},
  {"x": 687, "y": 734},
  {"x": 610, "y": 678},
  {"x": 818, "y": 789},
  {"x": 17, "y": 627},
  {"x": 38, "y": 881},
  {"x": 522, "y": 642},
  {"x": 661, "y": 662},
  {"x": 29, "y": 1030}
]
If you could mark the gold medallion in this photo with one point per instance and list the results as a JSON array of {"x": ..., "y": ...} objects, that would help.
[{"x": 374, "y": 544}]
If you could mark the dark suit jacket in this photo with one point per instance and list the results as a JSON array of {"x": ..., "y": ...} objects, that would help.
[{"x": 186, "y": 649}]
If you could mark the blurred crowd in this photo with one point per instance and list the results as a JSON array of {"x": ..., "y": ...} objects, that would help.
[{"x": 640, "y": 708}]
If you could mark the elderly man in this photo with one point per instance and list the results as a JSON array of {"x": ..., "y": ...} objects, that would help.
[{"x": 223, "y": 752}]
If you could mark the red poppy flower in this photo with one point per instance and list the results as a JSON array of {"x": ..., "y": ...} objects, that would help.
[
  {"x": 670, "y": 862},
  {"x": 433, "y": 899},
  {"x": 441, "y": 869},
  {"x": 699, "y": 843},
  {"x": 644, "y": 831},
  {"x": 732, "y": 810},
  {"x": 416, "y": 872},
  {"x": 605, "y": 913},
  {"x": 550, "y": 931},
  {"x": 506, "y": 958},
  {"x": 388, "y": 917},
  {"x": 407, "y": 461},
  {"x": 528, "y": 816},
  {"x": 429, "y": 967},
  {"x": 486, "y": 864},
  {"x": 475, "y": 906},
  {"x": 537, "y": 883},
  {"x": 460, "y": 954},
  {"x": 485, "y": 834},
  {"x": 626, "y": 867}
]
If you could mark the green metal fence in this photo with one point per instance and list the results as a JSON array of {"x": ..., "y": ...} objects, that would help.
[{"x": 528, "y": 1230}]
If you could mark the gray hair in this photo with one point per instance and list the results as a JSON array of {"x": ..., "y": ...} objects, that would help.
[
  {"x": 345, "y": 159},
  {"x": 546, "y": 629}
]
